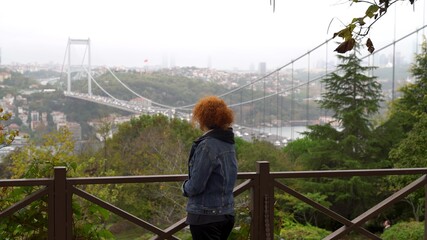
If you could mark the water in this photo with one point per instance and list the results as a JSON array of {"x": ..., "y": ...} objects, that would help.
[
  {"x": 278, "y": 136},
  {"x": 291, "y": 133}
]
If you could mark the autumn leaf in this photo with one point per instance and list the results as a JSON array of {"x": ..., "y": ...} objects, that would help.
[
  {"x": 346, "y": 46},
  {"x": 370, "y": 45}
]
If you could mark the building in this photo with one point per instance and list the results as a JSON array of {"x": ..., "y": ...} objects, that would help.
[
  {"x": 8, "y": 99},
  {"x": 262, "y": 68},
  {"x": 58, "y": 117},
  {"x": 4, "y": 76},
  {"x": 38, "y": 120},
  {"x": 73, "y": 127},
  {"x": 35, "y": 119}
]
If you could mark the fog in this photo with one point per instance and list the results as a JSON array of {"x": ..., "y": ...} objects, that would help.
[{"x": 223, "y": 34}]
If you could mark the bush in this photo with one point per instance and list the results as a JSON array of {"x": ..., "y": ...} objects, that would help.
[
  {"x": 293, "y": 230},
  {"x": 303, "y": 232},
  {"x": 404, "y": 230}
]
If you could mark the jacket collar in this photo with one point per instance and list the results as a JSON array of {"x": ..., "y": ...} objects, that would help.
[{"x": 220, "y": 134}]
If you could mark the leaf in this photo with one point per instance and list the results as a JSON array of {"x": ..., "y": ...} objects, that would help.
[
  {"x": 360, "y": 21},
  {"x": 346, "y": 32},
  {"x": 385, "y": 2},
  {"x": 370, "y": 45},
  {"x": 346, "y": 46},
  {"x": 370, "y": 12}
]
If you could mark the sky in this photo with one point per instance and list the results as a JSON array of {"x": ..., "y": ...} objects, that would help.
[{"x": 225, "y": 34}]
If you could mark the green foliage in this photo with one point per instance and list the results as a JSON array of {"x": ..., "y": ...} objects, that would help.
[
  {"x": 33, "y": 161},
  {"x": 352, "y": 96},
  {"x": 28, "y": 223},
  {"x": 293, "y": 230},
  {"x": 89, "y": 221},
  {"x": 414, "y": 97},
  {"x": 302, "y": 213},
  {"x": 41, "y": 74},
  {"x": 242, "y": 226},
  {"x": 6, "y": 136},
  {"x": 404, "y": 230},
  {"x": 249, "y": 153},
  {"x": 151, "y": 145},
  {"x": 388, "y": 135},
  {"x": 325, "y": 151},
  {"x": 413, "y": 106},
  {"x": 298, "y": 151},
  {"x": 411, "y": 151},
  {"x": 411, "y": 112},
  {"x": 19, "y": 81}
]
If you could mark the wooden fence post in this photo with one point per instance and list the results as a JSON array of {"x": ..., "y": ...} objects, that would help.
[
  {"x": 425, "y": 211},
  {"x": 262, "y": 204},
  {"x": 60, "y": 202}
]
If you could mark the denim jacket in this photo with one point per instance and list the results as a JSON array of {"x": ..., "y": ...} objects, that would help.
[{"x": 212, "y": 173}]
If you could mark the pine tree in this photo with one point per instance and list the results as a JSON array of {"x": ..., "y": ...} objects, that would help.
[{"x": 352, "y": 95}]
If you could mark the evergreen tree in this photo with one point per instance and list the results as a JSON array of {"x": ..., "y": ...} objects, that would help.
[{"x": 353, "y": 97}]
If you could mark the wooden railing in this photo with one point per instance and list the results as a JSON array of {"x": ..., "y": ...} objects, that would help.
[{"x": 261, "y": 185}]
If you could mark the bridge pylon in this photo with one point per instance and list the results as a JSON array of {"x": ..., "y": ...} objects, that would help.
[{"x": 88, "y": 70}]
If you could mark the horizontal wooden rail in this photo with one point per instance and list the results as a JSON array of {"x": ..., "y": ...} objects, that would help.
[
  {"x": 26, "y": 182},
  {"x": 261, "y": 185},
  {"x": 349, "y": 173}
]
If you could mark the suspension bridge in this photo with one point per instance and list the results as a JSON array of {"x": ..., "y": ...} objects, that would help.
[{"x": 268, "y": 105}]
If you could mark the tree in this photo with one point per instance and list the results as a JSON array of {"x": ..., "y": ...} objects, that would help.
[
  {"x": 248, "y": 153},
  {"x": 353, "y": 97},
  {"x": 6, "y": 136},
  {"x": 410, "y": 152},
  {"x": 105, "y": 131},
  {"x": 414, "y": 98},
  {"x": 151, "y": 145},
  {"x": 33, "y": 161}
]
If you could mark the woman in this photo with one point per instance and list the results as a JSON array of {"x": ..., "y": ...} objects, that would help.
[{"x": 212, "y": 172}]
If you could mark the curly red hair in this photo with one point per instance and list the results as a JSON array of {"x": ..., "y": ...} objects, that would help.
[{"x": 212, "y": 112}]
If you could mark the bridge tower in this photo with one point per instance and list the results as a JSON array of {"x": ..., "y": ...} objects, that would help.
[{"x": 88, "y": 70}]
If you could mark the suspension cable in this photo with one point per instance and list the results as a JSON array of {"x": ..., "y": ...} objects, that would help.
[
  {"x": 105, "y": 91},
  {"x": 63, "y": 61},
  {"x": 124, "y": 85}
]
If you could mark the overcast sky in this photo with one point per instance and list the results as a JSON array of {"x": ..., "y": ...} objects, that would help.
[{"x": 231, "y": 33}]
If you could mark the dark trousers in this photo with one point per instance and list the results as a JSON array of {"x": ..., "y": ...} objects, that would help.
[{"x": 212, "y": 231}]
